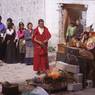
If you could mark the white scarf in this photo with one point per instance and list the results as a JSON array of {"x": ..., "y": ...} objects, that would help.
[
  {"x": 9, "y": 32},
  {"x": 41, "y": 30}
]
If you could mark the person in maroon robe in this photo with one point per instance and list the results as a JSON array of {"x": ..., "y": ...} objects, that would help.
[{"x": 40, "y": 39}]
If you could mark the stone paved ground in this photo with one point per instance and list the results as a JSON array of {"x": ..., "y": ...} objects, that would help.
[
  {"x": 90, "y": 91},
  {"x": 16, "y": 72},
  {"x": 20, "y": 72}
]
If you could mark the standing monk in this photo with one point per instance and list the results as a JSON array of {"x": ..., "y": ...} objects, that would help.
[{"x": 40, "y": 39}]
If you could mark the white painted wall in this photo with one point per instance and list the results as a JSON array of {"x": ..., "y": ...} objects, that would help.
[
  {"x": 32, "y": 10},
  {"x": 52, "y": 16},
  {"x": 22, "y": 10}
]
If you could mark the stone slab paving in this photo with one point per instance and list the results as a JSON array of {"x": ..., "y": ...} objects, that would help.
[
  {"x": 21, "y": 72},
  {"x": 90, "y": 91},
  {"x": 16, "y": 73}
]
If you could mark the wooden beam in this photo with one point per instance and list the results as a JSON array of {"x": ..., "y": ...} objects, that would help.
[{"x": 80, "y": 7}]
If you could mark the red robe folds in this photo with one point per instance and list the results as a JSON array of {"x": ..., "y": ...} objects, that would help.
[{"x": 41, "y": 53}]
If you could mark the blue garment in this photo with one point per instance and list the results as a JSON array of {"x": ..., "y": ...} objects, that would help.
[
  {"x": 28, "y": 38},
  {"x": 29, "y": 47},
  {"x": 2, "y": 28},
  {"x": 2, "y": 44}
]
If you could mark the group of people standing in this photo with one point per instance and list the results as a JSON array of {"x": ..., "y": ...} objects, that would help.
[
  {"x": 16, "y": 46},
  {"x": 26, "y": 45}
]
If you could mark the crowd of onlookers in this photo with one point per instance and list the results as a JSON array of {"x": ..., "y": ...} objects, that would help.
[
  {"x": 25, "y": 45},
  {"x": 16, "y": 45}
]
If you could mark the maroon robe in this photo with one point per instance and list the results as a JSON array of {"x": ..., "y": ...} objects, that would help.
[{"x": 41, "y": 53}]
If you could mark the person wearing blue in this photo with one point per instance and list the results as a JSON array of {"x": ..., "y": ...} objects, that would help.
[
  {"x": 28, "y": 44},
  {"x": 2, "y": 43}
]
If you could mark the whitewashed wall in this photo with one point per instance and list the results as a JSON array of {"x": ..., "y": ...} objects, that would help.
[
  {"x": 22, "y": 10},
  {"x": 32, "y": 10},
  {"x": 52, "y": 16}
]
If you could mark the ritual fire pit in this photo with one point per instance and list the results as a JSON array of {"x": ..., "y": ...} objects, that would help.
[{"x": 55, "y": 81}]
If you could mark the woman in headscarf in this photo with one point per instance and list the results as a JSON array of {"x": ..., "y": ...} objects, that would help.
[
  {"x": 10, "y": 43},
  {"x": 28, "y": 44},
  {"x": 21, "y": 35}
]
